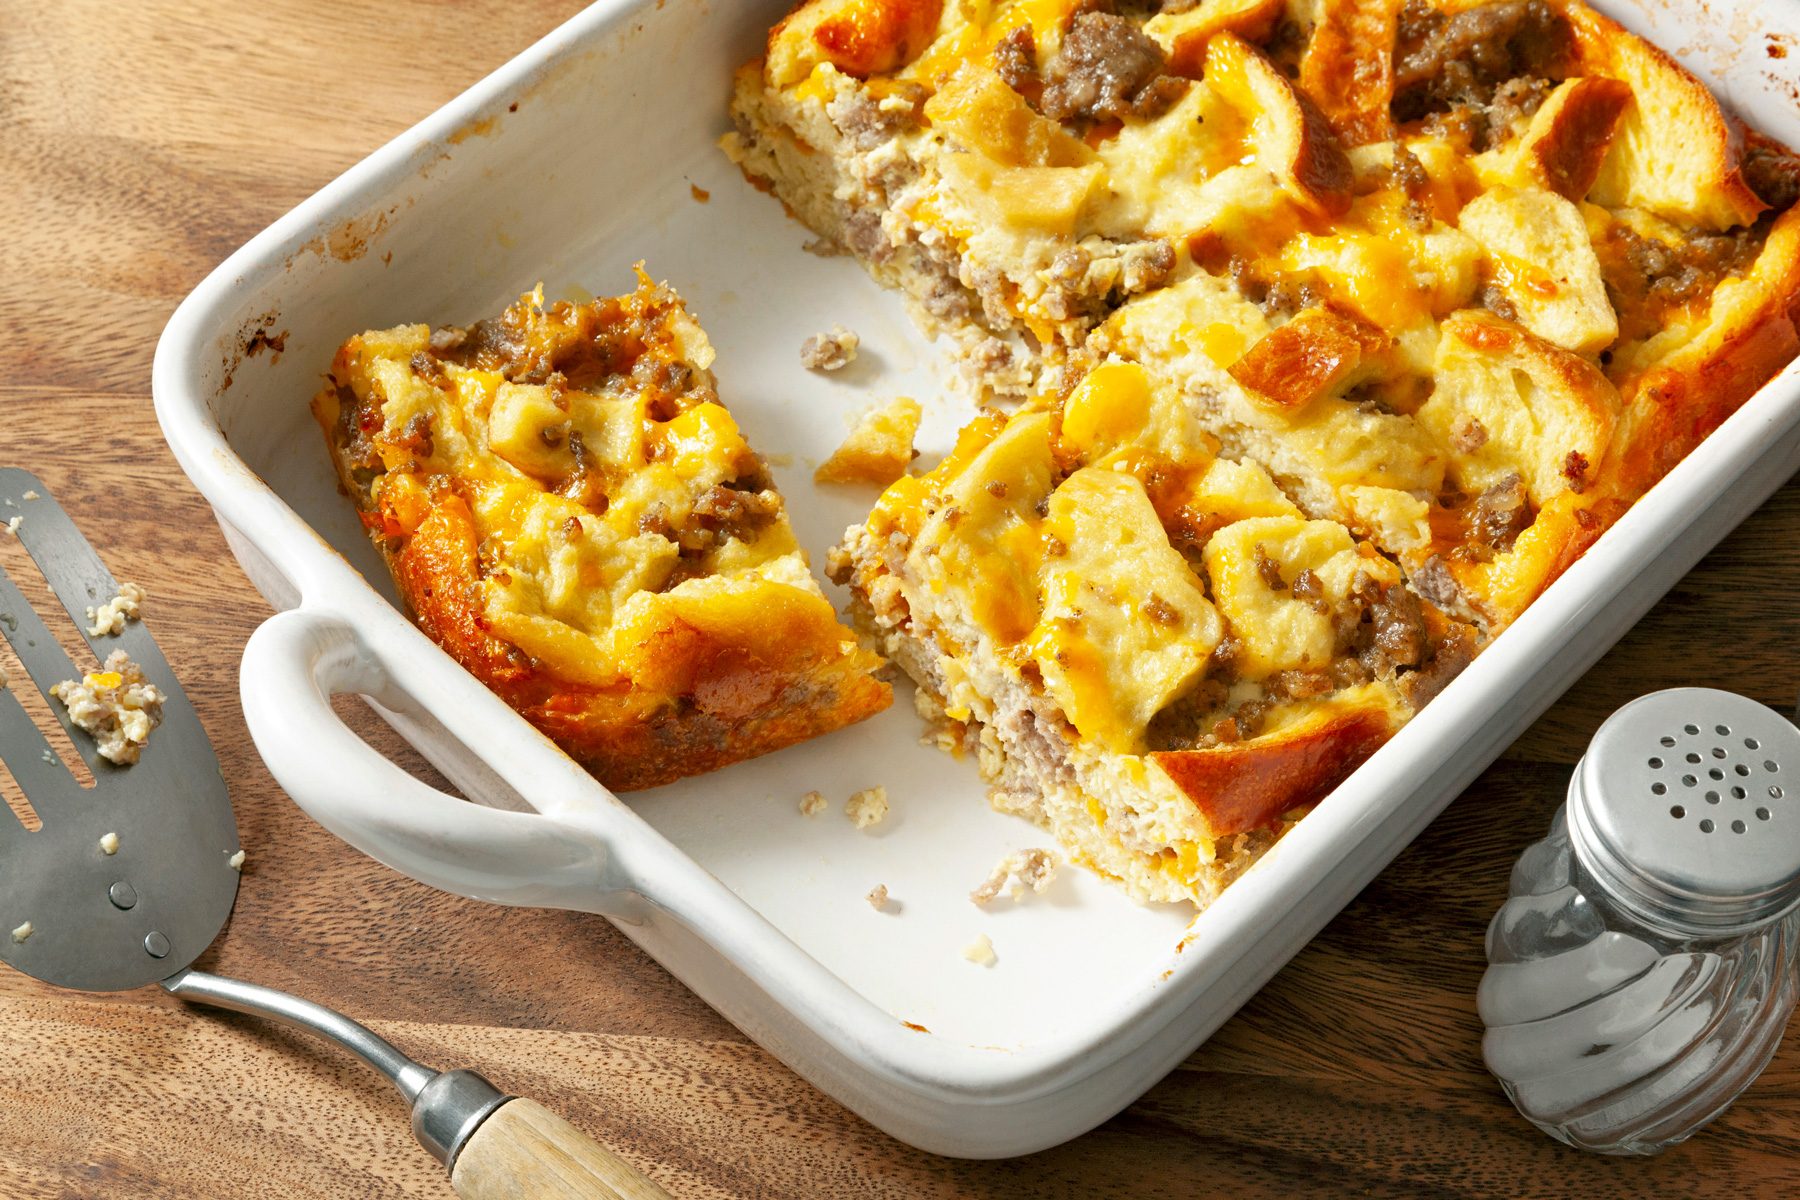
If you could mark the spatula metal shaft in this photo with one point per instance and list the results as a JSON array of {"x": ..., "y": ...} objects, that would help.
[
  {"x": 258, "y": 1001},
  {"x": 447, "y": 1106}
]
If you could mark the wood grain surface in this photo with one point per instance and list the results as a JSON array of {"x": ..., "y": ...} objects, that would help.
[{"x": 142, "y": 142}]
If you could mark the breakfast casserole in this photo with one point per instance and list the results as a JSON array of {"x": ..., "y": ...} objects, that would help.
[
  {"x": 1330, "y": 332},
  {"x": 570, "y": 511}
]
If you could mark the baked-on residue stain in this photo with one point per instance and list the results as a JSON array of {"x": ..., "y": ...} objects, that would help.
[
  {"x": 262, "y": 340},
  {"x": 253, "y": 337},
  {"x": 481, "y": 128},
  {"x": 350, "y": 240}
]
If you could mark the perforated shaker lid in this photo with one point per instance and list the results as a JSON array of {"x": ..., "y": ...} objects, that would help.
[{"x": 1686, "y": 809}]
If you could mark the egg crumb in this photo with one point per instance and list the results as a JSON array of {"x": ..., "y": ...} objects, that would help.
[
  {"x": 109, "y": 619},
  {"x": 109, "y": 843},
  {"x": 812, "y": 804},
  {"x": 22, "y": 932},
  {"x": 1034, "y": 869},
  {"x": 878, "y": 897},
  {"x": 981, "y": 952},
  {"x": 867, "y": 807},
  {"x": 236, "y": 861},
  {"x": 831, "y": 351}
]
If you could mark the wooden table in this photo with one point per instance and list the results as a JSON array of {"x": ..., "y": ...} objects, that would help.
[{"x": 139, "y": 144}]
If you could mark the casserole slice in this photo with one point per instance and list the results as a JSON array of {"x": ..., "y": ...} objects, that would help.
[
  {"x": 1148, "y": 647},
  {"x": 571, "y": 513}
]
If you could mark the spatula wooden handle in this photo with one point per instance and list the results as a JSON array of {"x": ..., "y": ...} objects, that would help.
[{"x": 526, "y": 1152}]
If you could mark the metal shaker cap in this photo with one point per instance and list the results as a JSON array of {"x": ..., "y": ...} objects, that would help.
[{"x": 1686, "y": 810}]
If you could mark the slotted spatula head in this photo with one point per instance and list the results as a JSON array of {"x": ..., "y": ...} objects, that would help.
[{"x": 102, "y": 922}]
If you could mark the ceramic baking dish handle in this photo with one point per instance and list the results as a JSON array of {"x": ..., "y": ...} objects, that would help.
[{"x": 293, "y": 665}]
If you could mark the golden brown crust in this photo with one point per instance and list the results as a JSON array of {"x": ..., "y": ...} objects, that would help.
[
  {"x": 1570, "y": 136},
  {"x": 1302, "y": 148},
  {"x": 1679, "y": 155},
  {"x": 1311, "y": 355},
  {"x": 1671, "y": 407},
  {"x": 1243, "y": 786},
  {"x": 858, "y": 37},
  {"x": 1348, "y": 71}
]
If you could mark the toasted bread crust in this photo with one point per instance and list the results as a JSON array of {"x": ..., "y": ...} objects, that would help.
[
  {"x": 1570, "y": 136},
  {"x": 1246, "y": 786},
  {"x": 1696, "y": 174},
  {"x": 1347, "y": 69},
  {"x": 1306, "y": 155},
  {"x": 858, "y": 37},
  {"x": 1308, "y": 357},
  {"x": 1673, "y": 406}
]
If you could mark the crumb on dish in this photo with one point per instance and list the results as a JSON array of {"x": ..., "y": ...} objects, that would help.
[
  {"x": 878, "y": 897},
  {"x": 116, "y": 705},
  {"x": 109, "y": 844},
  {"x": 22, "y": 932},
  {"x": 830, "y": 351},
  {"x": 867, "y": 807},
  {"x": 812, "y": 804},
  {"x": 236, "y": 862},
  {"x": 981, "y": 952},
  {"x": 1034, "y": 869},
  {"x": 108, "y": 620},
  {"x": 878, "y": 450},
  {"x": 31, "y": 494}
]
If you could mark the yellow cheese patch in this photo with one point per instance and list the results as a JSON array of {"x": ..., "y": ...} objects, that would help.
[
  {"x": 1108, "y": 407},
  {"x": 978, "y": 546}
]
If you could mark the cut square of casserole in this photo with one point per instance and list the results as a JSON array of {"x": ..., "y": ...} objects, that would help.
[
  {"x": 571, "y": 513},
  {"x": 1151, "y": 649}
]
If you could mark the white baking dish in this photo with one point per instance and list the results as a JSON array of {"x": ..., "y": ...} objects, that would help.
[{"x": 600, "y": 129}]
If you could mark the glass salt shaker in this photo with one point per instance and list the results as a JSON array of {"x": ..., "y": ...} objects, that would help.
[{"x": 1642, "y": 970}]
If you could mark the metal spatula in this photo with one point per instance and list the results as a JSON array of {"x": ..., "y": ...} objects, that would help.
[{"x": 83, "y": 917}]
